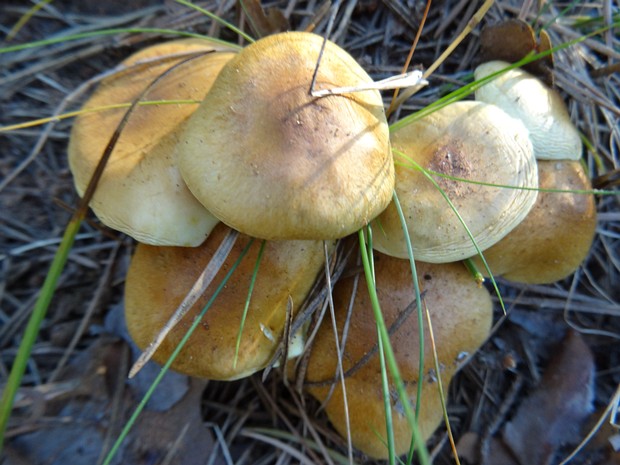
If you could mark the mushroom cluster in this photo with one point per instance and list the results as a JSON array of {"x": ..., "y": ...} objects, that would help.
[
  {"x": 499, "y": 176},
  {"x": 258, "y": 153},
  {"x": 261, "y": 155}
]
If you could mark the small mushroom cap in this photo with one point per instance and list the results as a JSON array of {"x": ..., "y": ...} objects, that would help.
[
  {"x": 523, "y": 96},
  {"x": 556, "y": 235},
  {"x": 461, "y": 315},
  {"x": 141, "y": 191},
  {"x": 160, "y": 277},
  {"x": 468, "y": 140},
  {"x": 273, "y": 162}
]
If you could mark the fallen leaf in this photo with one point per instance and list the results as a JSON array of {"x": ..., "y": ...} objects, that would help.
[
  {"x": 553, "y": 414},
  {"x": 512, "y": 40}
]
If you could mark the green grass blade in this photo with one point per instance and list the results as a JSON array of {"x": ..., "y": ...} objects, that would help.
[
  {"x": 422, "y": 452},
  {"x": 508, "y": 186},
  {"x": 442, "y": 396},
  {"x": 197, "y": 321},
  {"x": 418, "y": 302},
  {"x": 427, "y": 175},
  {"x": 216, "y": 18},
  {"x": 25, "y": 18},
  {"x": 387, "y": 404},
  {"x": 34, "y": 323},
  {"x": 106, "y": 32},
  {"x": 71, "y": 114},
  {"x": 468, "y": 89},
  {"x": 247, "y": 301},
  {"x": 385, "y": 385}
]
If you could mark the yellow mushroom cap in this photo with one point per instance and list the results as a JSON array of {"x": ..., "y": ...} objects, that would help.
[
  {"x": 556, "y": 235},
  {"x": 141, "y": 191},
  {"x": 160, "y": 277},
  {"x": 273, "y": 162},
  {"x": 461, "y": 315},
  {"x": 540, "y": 108},
  {"x": 468, "y": 140}
]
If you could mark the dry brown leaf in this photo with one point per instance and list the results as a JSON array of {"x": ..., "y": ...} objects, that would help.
[
  {"x": 553, "y": 414},
  {"x": 73, "y": 428},
  {"x": 512, "y": 40}
]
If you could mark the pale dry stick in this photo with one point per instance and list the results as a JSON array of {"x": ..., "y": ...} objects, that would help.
[
  {"x": 442, "y": 397},
  {"x": 41, "y": 244},
  {"x": 284, "y": 447},
  {"x": 473, "y": 22},
  {"x": 116, "y": 409},
  {"x": 308, "y": 307},
  {"x": 567, "y": 309},
  {"x": 221, "y": 442},
  {"x": 287, "y": 334},
  {"x": 310, "y": 427},
  {"x": 583, "y": 90},
  {"x": 527, "y": 4},
  {"x": 450, "y": 17},
  {"x": 412, "y": 79},
  {"x": 401, "y": 11},
  {"x": 15, "y": 323},
  {"x": 344, "y": 21},
  {"x": 345, "y": 332},
  {"x": 270, "y": 402},
  {"x": 200, "y": 285},
  {"x": 328, "y": 31},
  {"x": 412, "y": 49},
  {"x": 596, "y": 285},
  {"x": 175, "y": 446},
  {"x": 85, "y": 321},
  {"x": 332, "y": 313}
]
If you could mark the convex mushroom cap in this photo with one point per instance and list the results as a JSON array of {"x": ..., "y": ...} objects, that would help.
[
  {"x": 556, "y": 235},
  {"x": 467, "y": 140},
  {"x": 273, "y": 162},
  {"x": 141, "y": 192},
  {"x": 160, "y": 277},
  {"x": 461, "y": 315},
  {"x": 539, "y": 107}
]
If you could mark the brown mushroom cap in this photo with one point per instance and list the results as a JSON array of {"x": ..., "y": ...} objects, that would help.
[
  {"x": 469, "y": 140},
  {"x": 273, "y": 162},
  {"x": 160, "y": 277},
  {"x": 461, "y": 314},
  {"x": 141, "y": 191},
  {"x": 556, "y": 235},
  {"x": 541, "y": 109}
]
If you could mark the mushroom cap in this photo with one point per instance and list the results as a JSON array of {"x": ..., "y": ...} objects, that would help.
[
  {"x": 273, "y": 162},
  {"x": 461, "y": 315},
  {"x": 523, "y": 96},
  {"x": 141, "y": 191},
  {"x": 160, "y": 277},
  {"x": 469, "y": 140},
  {"x": 556, "y": 235}
]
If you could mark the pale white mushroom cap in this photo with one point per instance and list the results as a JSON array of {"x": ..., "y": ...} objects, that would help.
[
  {"x": 469, "y": 140},
  {"x": 141, "y": 191},
  {"x": 523, "y": 96}
]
